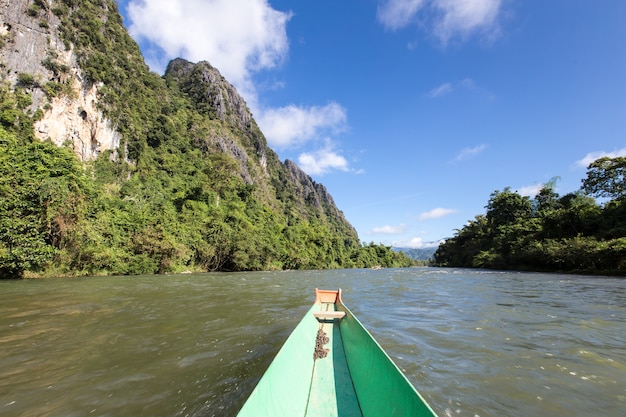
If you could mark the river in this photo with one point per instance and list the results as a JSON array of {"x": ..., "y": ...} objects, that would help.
[{"x": 474, "y": 343}]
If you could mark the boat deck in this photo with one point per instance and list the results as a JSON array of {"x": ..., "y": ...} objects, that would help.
[
  {"x": 331, "y": 366},
  {"x": 332, "y": 393}
]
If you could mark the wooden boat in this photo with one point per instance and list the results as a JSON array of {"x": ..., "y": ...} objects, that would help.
[{"x": 331, "y": 366}]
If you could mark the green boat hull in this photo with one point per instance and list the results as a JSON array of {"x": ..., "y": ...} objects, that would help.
[{"x": 332, "y": 366}]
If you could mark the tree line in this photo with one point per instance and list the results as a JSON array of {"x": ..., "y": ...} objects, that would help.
[{"x": 569, "y": 233}]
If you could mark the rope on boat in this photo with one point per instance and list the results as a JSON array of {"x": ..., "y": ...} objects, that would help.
[{"x": 320, "y": 341}]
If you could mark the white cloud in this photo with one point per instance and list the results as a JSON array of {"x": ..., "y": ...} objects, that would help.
[
  {"x": 530, "y": 190},
  {"x": 415, "y": 243},
  {"x": 322, "y": 161},
  {"x": 389, "y": 230},
  {"x": 470, "y": 152},
  {"x": 441, "y": 90},
  {"x": 436, "y": 213},
  {"x": 592, "y": 156},
  {"x": 466, "y": 84},
  {"x": 446, "y": 19},
  {"x": 465, "y": 17},
  {"x": 396, "y": 14},
  {"x": 237, "y": 36},
  {"x": 291, "y": 125}
]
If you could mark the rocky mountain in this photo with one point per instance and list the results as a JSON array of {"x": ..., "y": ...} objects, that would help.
[
  {"x": 106, "y": 167},
  {"x": 35, "y": 57},
  {"x": 217, "y": 98}
]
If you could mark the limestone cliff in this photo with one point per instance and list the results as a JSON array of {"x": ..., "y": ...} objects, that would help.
[
  {"x": 216, "y": 97},
  {"x": 34, "y": 56},
  {"x": 211, "y": 92}
]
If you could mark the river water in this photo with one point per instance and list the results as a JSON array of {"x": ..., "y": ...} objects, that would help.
[{"x": 474, "y": 343}]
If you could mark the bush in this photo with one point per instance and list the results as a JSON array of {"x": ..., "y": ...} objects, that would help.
[{"x": 25, "y": 80}]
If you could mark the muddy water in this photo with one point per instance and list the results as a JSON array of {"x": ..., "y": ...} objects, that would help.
[{"x": 474, "y": 343}]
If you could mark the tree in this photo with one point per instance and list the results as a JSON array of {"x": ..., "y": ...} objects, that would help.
[
  {"x": 41, "y": 192},
  {"x": 469, "y": 241},
  {"x": 546, "y": 199},
  {"x": 606, "y": 177},
  {"x": 507, "y": 207}
]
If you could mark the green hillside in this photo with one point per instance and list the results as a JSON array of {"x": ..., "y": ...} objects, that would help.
[{"x": 191, "y": 186}]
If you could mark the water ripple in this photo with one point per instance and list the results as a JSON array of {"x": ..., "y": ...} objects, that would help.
[{"x": 475, "y": 343}]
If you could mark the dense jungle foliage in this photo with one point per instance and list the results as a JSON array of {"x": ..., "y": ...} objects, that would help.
[
  {"x": 570, "y": 233},
  {"x": 166, "y": 201}
]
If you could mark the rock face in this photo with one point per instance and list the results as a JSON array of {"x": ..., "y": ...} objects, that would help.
[
  {"x": 79, "y": 122},
  {"x": 219, "y": 99},
  {"x": 315, "y": 194},
  {"x": 25, "y": 43},
  {"x": 31, "y": 48},
  {"x": 210, "y": 90}
]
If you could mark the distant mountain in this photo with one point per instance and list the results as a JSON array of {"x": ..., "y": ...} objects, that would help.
[{"x": 423, "y": 254}]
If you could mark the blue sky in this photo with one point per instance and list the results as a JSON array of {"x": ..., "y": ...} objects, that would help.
[{"x": 412, "y": 112}]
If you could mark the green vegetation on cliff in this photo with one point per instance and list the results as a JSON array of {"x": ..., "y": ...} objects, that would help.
[
  {"x": 569, "y": 233},
  {"x": 192, "y": 186}
]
